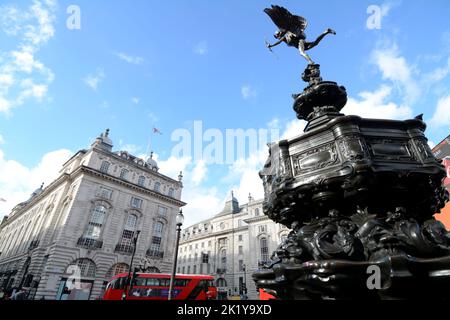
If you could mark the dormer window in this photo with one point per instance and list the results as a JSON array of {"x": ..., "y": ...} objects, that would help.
[{"x": 141, "y": 181}]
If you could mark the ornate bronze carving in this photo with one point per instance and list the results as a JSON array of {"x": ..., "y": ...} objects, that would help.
[{"x": 359, "y": 195}]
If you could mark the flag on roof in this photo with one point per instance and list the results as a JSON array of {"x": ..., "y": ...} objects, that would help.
[{"x": 156, "y": 131}]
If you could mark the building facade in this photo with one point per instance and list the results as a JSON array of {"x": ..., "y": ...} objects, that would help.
[
  {"x": 442, "y": 152},
  {"x": 231, "y": 246},
  {"x": 71, "y": 237}
]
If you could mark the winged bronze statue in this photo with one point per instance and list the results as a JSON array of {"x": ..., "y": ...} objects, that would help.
[{"x": 292, "y": 31}]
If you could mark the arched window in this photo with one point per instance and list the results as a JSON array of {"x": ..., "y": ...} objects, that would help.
[
  {"x": 158, "y": 228},
  {"x": 86, "y": 266},
  {"x": 117, "y": 269},
  {"x": 157, "y": 186},
  {"x": 264, "y": 249},
  {"x": 153, "y": 270},
  {"x": 124, "y": 174},
  {"x": 95, "y": 225},
  {"x": 105, "y": 167},
  {"x": 141, "y": 181},
  {"x": 171, "y": 192},
  {"x": 221, "y": 282}
]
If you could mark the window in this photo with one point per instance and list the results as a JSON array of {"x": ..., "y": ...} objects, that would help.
[
  {"x": 195, "y": 269},
  {"x": 124, "y": 174},
  {"x": 171, "y": 192},
  {"x": 157, "y": 186},
  {"x": 136, "y": 203},
  {"x": 162, "y": 211},
  {"x": 209, "y": 243},
  {"x": 195, "y": 258},
  {"x": 87, "y": 267},
  {"x": 257, "y": 212},
  {"x": 117, "y": 269},
  {"x": 128, "y": 231},
  {"x": 189, "y": 270},
  {"x": 156, "y": 244},
  {"x": 241, "y": 265},
  {"x": 205, "y": 258},
  {"x": 223, "y": 259},
  {"x": 262, "y": 229},
  {"x": 241, "y": 250},
  {"x": 196, "y": 246},
  {"x": 141, "y": 181},
  {"x": 105, "y": 193},
  {"x": 223, "y": 242},
  {"x": 240, "y": 237},
  {"x": 203, "y": 244},
  {"x": 104, "y": 167},
  {"x": 184, "y": 270},
  {"x": 158, "y": 228},
  {"x": 94, "y": 228},
  {"x": 264, "y": 249}
]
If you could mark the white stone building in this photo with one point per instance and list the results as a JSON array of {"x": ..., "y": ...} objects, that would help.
[
  {"x": 84, "y": 223},
  {"x": 231, "y": 246}
]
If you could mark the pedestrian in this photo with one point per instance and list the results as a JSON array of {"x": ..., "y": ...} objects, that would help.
[{"x": 21, "y": 294}]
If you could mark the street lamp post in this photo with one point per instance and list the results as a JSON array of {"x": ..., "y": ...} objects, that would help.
[
  {"x": 128, "y": 284},
  {"x": 179, "y": 221}
]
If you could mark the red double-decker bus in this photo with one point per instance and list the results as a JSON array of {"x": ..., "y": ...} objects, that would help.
[{"x": 155, "y": 286}]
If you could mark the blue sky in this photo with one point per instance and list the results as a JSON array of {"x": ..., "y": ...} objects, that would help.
[{"x": 138, "y": 64}]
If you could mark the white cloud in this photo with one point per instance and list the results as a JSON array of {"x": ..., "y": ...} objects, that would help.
[
  {"x": 93, "y": 80},
  {"x": 130, "y": 148},
  {"x": 22, "y": 75},
  {"x": 129, "y": 58},
  {"x": 195, "y": 195},
  {"x": 201, "y": 48},
  {"x": 293, "y": 129},
  {"x": 395, "y": 68},
  {"x": 374, "y": 105},
  {"x": 2, "y": 140},
  {"x": 441, "y": 116},
  {"x": 135, "y": 100},
  {"x": 248, "y": 92},
  {"x": 199, "y": 172},
  {"x": 17, "y": 181},
  {"x": 437, "y": 74}
]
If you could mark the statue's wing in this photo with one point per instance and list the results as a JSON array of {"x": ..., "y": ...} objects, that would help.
[{"x": 287, "y": 21}]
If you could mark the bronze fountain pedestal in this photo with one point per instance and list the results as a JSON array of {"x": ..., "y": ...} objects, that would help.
[{"x": 360, "y": 197}]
